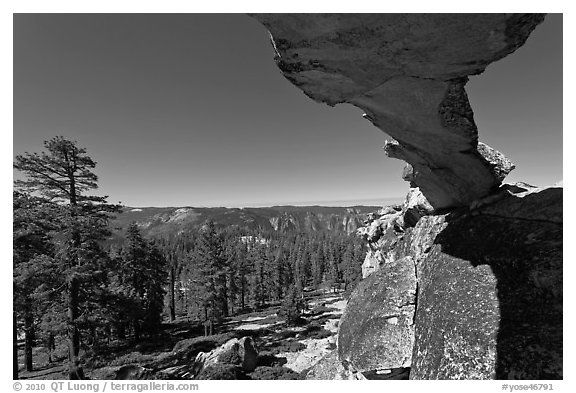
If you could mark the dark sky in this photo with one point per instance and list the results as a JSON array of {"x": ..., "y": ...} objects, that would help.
[{"x": 190, "y": 109}]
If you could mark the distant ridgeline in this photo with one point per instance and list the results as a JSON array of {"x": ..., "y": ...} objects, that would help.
[{"x": 169, "y": 221}]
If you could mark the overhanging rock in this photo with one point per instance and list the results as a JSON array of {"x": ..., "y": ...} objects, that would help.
[{"x": 407, "y": 72}]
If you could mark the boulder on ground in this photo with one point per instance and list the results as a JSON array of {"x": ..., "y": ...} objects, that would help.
[
  {"x": 131, "y": 371},
  {"x": 238, "y": 352}
]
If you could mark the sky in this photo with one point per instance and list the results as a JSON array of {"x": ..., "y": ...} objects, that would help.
[{"x": 191, "y": 110}]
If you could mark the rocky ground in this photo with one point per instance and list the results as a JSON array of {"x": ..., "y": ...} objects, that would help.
[{"x": 280, "y": 352}]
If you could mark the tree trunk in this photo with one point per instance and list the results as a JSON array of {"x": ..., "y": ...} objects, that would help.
[
  {"x": 224, "y": 296},
  {"x": 233, "y": 292},
  {"x": 73, "y": 332},
  {"x": 186, "y": 304},
  {"x": 136, "y": 331},
  {"x": 121, "y": 331},
  {"x": 14, "y": 347},
  {"x": 181, "y": 300},
  {"x": 75, "y": 371},
  {"x": 243, "y": 294},
  {"x": 73, "y": 290},
  {"x": 172, "y": 305},
  {"x": 93, "y": 336},
  {"x": 51, "y": 346},
  {"x": 28, "y": 339}
]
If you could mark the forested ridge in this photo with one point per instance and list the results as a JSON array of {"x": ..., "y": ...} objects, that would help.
[{"x": 74, "y": 288}]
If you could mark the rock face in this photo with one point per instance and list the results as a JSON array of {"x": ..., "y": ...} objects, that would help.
[
  {"x": 415, "y": 207},
  {"x": 407, "y": 72},
  {"x": 371, "y": 263},
  {"x": 489, "y": 288},
  {"x": 490, "y": 292},
  {"x": 377, "y": 328},
  {"x": 329, "y": 368},
  {"x": 383, "y": 229}
]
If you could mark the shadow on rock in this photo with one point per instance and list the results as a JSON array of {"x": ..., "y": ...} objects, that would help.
[{"x": 490, "y": 293}]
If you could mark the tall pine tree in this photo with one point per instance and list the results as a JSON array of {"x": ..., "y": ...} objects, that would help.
[
  {"x": 64, "y": 175},
  {"x": 35, "y": 278},
  {"x": 211, "y": 271},
  {"x": 142, "y": 276}
]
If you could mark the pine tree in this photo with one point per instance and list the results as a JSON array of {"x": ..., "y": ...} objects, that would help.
[
  {"x": 277, "y": 273},
  {"x": 156, "y": 276},
  {"x": 132, "y": 275},
  {"x": 33, "y": 220},
  {"x": 235, "y": 250},
  {"x": 63, "y": 175},
  {"x": 333, "y": 273},
  {"x": 142, "y": 274},
  {"x": 292, "y": 307},
  {"x": 212, "y": 272},
  {"x": 303, "y": 264},
  {"x": 244, "y": 268},
  {"x": 317, "y": 265},
  {"x": 173, "y": 260},
  {"x": 179, "y": 251},
  {"x": 259, "y": 261},
  {"x": 352, "y": 264}
]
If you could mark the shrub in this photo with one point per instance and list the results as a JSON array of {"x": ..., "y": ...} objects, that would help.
[
  {"x": 312, "y": 326},
  {"x": 274, "y": 373},
  {"x": 268, "y": 359},
  {"x": 319, "y": 334},
  {"x": 286, "y": 346},
  {"x": 321, "y": 309},
  {"x": 132, "y": 358},
  {"x": 221, "y": 372}
]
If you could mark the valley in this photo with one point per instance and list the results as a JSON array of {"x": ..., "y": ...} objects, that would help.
[{"x": 169, "y": 221}]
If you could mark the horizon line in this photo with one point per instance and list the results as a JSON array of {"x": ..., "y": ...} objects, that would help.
[{"x": 322, "y": 203}]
